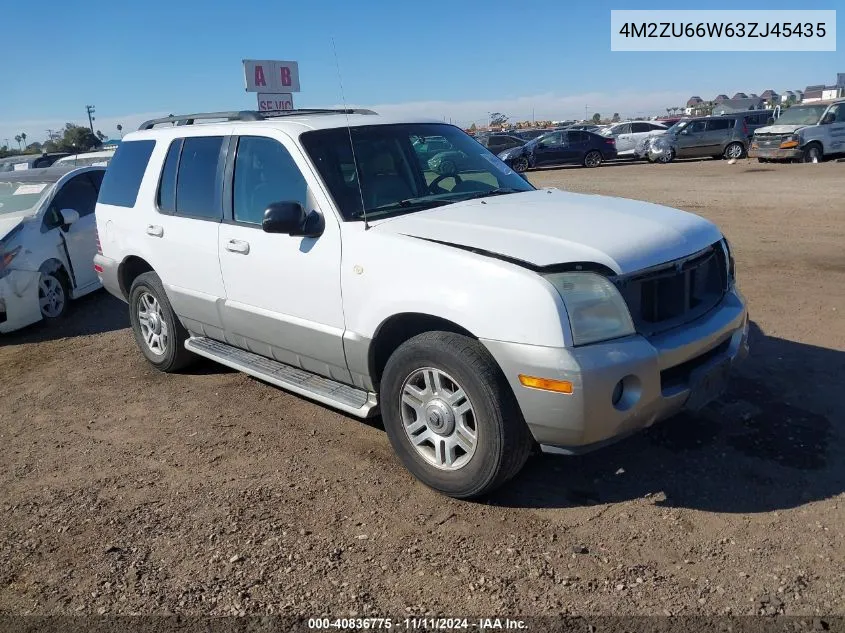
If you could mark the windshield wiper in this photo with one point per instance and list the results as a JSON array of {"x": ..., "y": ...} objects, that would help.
[{"x": 499, "y": 191}]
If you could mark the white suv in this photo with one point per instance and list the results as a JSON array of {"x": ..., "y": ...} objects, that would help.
[{"x": 317, "y": 251}]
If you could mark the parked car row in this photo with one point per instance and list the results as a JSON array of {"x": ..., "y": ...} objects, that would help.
[{"x": 565, "y": 147}]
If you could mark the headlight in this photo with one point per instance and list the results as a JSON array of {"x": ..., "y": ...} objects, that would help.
[
  {"x": 6, "y": 257},
  {"x": 597, "y": 312}
]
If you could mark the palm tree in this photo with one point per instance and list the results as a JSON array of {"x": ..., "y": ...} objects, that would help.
[
  {"x": 120, "y": 129},
  {"x": 23, "y": 138},
  {"x": 18, "y": 139}
]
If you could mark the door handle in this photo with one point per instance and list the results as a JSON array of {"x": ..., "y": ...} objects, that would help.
[
  {"x": 155, "y": 231},
  {"x": 237, "y": 246}
]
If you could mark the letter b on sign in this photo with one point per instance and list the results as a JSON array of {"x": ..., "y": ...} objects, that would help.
[{"x": 284, "y": 74}]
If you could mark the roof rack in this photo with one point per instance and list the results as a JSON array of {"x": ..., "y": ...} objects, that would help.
[{"x": 246, "y": 115}]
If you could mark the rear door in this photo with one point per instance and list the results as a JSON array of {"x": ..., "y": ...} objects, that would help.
[
  {"x": 183, "y": 232},
  {"x": 718, "y": 132},
  {"x": 624, "y": 134}
]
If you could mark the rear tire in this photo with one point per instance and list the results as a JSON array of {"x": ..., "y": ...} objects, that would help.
[
  {"x": 520, "y": 164},
  {"x": 157, "y": 329},
  {"x": 734, "y": 150},
  {"x": 593, "y": 159},
  {"x": 451, "y": 416}
]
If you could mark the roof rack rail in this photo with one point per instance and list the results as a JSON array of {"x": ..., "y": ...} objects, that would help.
[{"x": 246, "y": 115}]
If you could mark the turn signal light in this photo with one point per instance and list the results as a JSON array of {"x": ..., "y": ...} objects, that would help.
[
  {"x": 546, "y": 384},
  {"x": 788, "y": 144}
]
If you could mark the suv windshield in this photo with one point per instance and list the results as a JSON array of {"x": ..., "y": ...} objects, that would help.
[
  {"x": 405, "y": 168},
  {"x": 21, "y": 198},
  {"x": 801, "y": 115}
]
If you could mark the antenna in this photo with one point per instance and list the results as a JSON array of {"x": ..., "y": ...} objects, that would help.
[{"x": 351, "y": 144}]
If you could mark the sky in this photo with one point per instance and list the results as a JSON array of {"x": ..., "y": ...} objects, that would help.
[{"x": 457, "y": 60}]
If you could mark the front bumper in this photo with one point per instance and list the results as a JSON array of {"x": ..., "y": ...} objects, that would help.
[
  {"x": 773, "y": 153},
  {"x": 107, "y": 271},
  {"x": 19, "y": 300},
  {"x": 657, "y": 375}
]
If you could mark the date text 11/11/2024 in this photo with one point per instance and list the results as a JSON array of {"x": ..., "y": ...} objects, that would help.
[{"x": 442, "y": 624}]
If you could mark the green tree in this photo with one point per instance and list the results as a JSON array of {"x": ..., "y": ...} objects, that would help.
[
  {"x": 23, "y": 138},
  {"x": 497, "y": 118},
  {"x": 120, "y": 129},
  {"x": 18, "y": 139},
  {"x": 596, "y": 118},
  {"x": 472, "y": 128},
  {"x": 101, "y": 136},
  {"x": 34, "y": 147},
  {"x": 615, "y": 117},
  {"x": 76, "y": 138}
]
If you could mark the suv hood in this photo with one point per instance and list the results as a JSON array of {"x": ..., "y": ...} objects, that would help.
[
  {"x": 779, "y": 129},
  {"x": 549, "y": 226}
]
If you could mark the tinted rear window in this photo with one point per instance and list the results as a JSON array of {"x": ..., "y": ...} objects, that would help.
[
  {"x": 196, "y": 182},
  {"x": 125, "y": 173}
]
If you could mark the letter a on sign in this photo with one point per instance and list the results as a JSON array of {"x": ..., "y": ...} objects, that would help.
[{"x": 259, "y": 76}]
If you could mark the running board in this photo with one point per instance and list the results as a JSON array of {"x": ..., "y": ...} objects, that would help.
[{"x": 349, "y": 399}]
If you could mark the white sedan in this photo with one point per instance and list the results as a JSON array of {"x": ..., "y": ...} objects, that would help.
[
  {"x": 47, "y": 242},
  {"x": 630, "y": 133}
]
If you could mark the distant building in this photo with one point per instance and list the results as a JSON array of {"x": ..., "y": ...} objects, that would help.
[
  {"x": 740, "y": 95},
  {"x": 739, "y": 105},
  {"x": 769, "y": 95},
  {"x": 720, "y": 98},
  {"x": 813, "y": 93},
  {"x": 694, "y": 101}
]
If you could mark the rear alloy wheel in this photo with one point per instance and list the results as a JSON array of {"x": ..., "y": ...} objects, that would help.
[
  {"x": 53, "y": 295},
  {"x": 813, "y": 154},
  {"x": 735, "y": 151},
  {"x": 451, "y": 416},
  {"x": 520, "y": 164},
  {"x": 157, "y": 329},
  {"x": 592, "y": 159}
]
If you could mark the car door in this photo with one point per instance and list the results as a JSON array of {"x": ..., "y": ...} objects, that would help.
[
  {"x": 549, "y": 150},
  {"x": 836, "y": 130},
  {"x": 283, "y": 297},
  {"x": 78, "y": 239},
  {"x": 691, "y": 139},
  {"x": 624, "y": 138},
  {"x": 182, "y": 231},
  {"x": 717, "y": 133}
]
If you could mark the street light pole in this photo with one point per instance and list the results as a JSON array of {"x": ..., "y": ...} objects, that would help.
[{"x": 90, "y": 110}]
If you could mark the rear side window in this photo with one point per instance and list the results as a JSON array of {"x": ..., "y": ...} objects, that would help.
[
  {"x": 719, "y": 124},
  {"x": 196, "y": 181},
  {"x": 640, "y": 127},
  {"x": 166, "y": 197},
  {"x": 125, "y": 173}
]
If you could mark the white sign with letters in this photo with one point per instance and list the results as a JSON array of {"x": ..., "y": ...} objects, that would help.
[
  {"x": 271, "y": 76},
  {"x": 278, "y": 101}
]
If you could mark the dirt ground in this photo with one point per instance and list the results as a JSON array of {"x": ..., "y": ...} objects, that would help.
[{"x": 128, "y": 491}]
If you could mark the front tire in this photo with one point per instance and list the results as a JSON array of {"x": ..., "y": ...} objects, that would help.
[
  {"x": 158, "y": 332},
  {"x": 593, "y": 159},
  {"x": 813, "y": 154},
  {"x": 520, "y": 164},
  {"x": 451, "y": 415},
  {"x": 53, "y": 295}
]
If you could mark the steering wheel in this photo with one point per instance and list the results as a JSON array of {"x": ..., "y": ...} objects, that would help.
[{"x": 441, "y": 177}]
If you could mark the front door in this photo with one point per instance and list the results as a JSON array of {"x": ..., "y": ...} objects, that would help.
[
  {"x": 80, "y": 194},
  {"x": 550, "y": 150},
  {"x": 625, "y": 138},
  {"x": 837, "y": 130},
  {"x": 691, "y": 140},
  {"x": 283, "y": 296}
]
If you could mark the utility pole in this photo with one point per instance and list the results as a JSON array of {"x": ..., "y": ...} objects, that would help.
[{"x": 90, "y": 110}]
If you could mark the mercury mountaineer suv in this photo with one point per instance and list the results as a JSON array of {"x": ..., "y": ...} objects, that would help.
[{"x": 316, "y": 251}]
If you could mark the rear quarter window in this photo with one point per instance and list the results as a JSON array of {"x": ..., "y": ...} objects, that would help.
[{"x": 125, "y": 173}]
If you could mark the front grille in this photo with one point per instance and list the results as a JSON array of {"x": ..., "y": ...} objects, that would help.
[
  {"x": 677, "y": 292},
  {"x": 769, "y": 141}
]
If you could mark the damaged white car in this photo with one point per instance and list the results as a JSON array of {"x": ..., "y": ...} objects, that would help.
[{"x": 47, "y": 242}]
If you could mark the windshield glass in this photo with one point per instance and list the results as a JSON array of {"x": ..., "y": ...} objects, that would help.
[
  {"x": 680, "y": 125},
  {"x": 21, "y": 198},
  {"x": 406, "y": 168},
  {"x": 803, "y": 115}
]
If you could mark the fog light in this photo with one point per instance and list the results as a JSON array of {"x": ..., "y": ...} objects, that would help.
[{"x": 617, "y": 393}]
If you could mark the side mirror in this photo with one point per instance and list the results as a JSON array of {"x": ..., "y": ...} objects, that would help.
[
  {"x": 68, "y": 217},
  {"x": 290, "y": 218},
  {"x": 770, "y": 120}
]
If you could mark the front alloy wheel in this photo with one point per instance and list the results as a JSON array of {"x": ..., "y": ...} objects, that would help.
[
  {"x": 52, "y": 296},
  {"x": 438, "y": 418},
  {"x": 520, "y": 164}
]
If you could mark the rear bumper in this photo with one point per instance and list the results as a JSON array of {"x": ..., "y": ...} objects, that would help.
[
  {"x": 774, "y": 153},
  {"x": 19, "y": 300},
  {"x": 657, "y": 376},
  {"x": 107, "y": 271}
]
